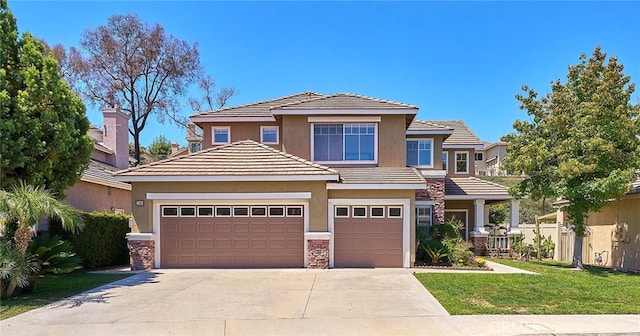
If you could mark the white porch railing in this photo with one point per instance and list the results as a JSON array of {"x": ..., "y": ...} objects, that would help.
[{"x": 498, "y": 242}]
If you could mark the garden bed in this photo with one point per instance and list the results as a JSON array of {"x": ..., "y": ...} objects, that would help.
[{"x": 454, "y": 268}]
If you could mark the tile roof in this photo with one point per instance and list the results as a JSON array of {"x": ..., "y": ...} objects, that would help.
[
  {"x": 102, "y": 173},
  {"x": 462, "y": 134},
  {"x": 243, "y": 158},
  {"x": 381, "y": 175},
  {"x": 473, "y": 186},
  {"x": 343, "y": 101},
  {"x": 258, "y": 109},
  {"x": 424, "y": 125}
]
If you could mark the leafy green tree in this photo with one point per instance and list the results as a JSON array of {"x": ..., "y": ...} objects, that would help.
[
  {"x": 582, "y": 142},
  {"x": 161, "y": 146},
  {"x": 498, "y": 213},
  {"x": 42, "y": 122}
]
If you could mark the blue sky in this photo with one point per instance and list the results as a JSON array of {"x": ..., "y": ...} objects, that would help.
[{"x": 455, "y": 60}]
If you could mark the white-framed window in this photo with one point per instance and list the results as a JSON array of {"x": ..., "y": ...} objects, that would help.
[
  {"x": 376, "y": 212},
  {"x": 169, "y": 211},
  {"x": 223, "y": 211},
  {"x": 220, "y": 135},
  {"x": 269, "y": 135},
  {"x": 445, "y": 160},
  {"x": 344, "y": 142},
  {"x": 394, "y": 212},
  {"x": 359, "y": 211},
  {"x": 205, "y": 211},
  {"x": 240, "y": 211},
  {"x": 420, "y": 153},
  {"x": 276, "y": 211},
  {"x": 258, "y": 211},
  {"x": 187, "y": 211},
  {"x": 479, "y": 156},
  {"x": 294, "y": 211},
  {"x": 423, "y": 216},
  {"x": 342, "y": 211},
  {"x": 462, "y": 162},
  {"x": 195, "y": 146}
]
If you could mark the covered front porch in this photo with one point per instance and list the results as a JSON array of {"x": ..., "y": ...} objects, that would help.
[{"x": 469, "y": 199}]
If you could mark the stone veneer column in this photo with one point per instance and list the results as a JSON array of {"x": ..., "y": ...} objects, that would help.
[
  {"x": 434, "y": 193},
  {"x": 142, "y": 251},
  {"x": 318, "y": 245}
]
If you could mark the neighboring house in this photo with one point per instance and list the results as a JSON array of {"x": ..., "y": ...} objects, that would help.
[
  {"x": 194, "y": 142},
  {"x": 97, "y": 189},
  {"x": 613, "y": 233},
  {"x": 308, "y": 180},
  {"x": 489, "y": 159}
]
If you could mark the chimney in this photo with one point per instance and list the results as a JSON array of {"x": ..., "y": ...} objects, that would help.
[
  {"x": 174, "y": 147},
  {"x": 116, "y": 136}
]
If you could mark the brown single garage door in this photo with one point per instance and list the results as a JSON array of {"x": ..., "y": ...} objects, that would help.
[
  {"x": 232, "y": 236},
  {"x": 368, "y": 236}
]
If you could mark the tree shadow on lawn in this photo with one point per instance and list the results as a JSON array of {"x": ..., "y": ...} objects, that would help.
[{"x": 100, "y": 294}]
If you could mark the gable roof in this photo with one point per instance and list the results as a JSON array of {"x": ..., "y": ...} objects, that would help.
[
  {"x": 245, "y": 160},
  {"x": 462, "y": 135},
  {"x": 379, "y": 178},
  {"x": 472, "y": 188},
  {"x": 101, "y": 173},
  {"x": 342, "y": 101},
  {"x": 428, "y": 127},
  {"x": 257, "y": 109}
]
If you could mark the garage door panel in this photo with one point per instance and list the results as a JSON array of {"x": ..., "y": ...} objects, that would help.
[
  {"x": 368, "y": 242},
  {"x": 232, "y": 241}
]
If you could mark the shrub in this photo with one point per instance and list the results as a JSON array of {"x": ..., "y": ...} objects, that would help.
[
  {"x": 436, "y": 250},
  {"x": 53, "y": 254},
  {"x": 103, "y": 241}
]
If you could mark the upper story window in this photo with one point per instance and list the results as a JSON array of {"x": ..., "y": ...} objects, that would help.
[
  {"x": 269, "y": 134},
  {"x": 479, "y": 156},
  {"x": 445, "y": 160},
  {"x": 344, "y": 142},
  {"x": 420, "y": 153},
  {"x": 221, "y": 135},
  {"x": 195, "y": 147},
  {"x": 462, "y": 162}
]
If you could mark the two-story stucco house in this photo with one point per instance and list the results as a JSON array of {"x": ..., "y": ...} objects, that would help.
[{"x": 307, "y": 180}]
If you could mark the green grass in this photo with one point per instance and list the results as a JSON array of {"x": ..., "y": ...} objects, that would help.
[
  {"x": 53, "y": 287},
  {"x": 557, "y": 289}
]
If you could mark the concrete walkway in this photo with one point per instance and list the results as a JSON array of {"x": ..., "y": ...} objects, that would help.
[
  {"x": 497, "y": 269},
  {"x": 284, "y": 302}
]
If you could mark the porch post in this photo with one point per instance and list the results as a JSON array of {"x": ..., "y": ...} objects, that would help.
[
  {"x": 479, "y": 216},
  {"x": 515, "y": 217},
  {"x": 486, "y": 214}
]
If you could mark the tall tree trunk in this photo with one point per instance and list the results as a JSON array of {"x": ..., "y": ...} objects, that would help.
[
  {"x": 577, "y": 252},
  {"x": 136, "y": 147}
]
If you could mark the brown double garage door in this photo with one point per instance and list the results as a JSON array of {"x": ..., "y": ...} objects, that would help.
[{"x": 232, "y": 236}]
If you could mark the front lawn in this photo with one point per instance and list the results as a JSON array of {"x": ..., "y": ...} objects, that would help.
[
  {"x": 557, "y": 289},
  {"x": 53, "y": 287}
]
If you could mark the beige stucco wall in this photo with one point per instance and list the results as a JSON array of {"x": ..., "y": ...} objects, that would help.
[
  {"x": 143, "y": 214},
  {"x": 391, "y": 141},
  {"x": 452, "y": 159},
  {"x": 239, "y": 131},
  {"x": 623, "y": 253},
  {"x": 96, "y": 197},
  {"x": 296, "y": 136}
]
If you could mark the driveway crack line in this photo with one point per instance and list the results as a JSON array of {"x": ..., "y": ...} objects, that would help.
[{"x": 309, "y": 297}]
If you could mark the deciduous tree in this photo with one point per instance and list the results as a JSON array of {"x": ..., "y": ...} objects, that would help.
[
  {"x": 582, "y": 142},
  {"x": 42, "y": 122},
  {"x": 160, "y": 146},
  {"x": 137, "y": 67}
]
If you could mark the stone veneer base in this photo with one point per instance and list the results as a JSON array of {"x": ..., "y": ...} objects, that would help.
[
  {"x": 318, "y": 253},
  {"x": 142, "y": 254}
]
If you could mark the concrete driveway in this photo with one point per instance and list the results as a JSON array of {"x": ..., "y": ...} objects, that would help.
[{"x": 238, "y": 302}]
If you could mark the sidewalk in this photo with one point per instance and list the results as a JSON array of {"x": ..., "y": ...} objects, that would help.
[{"x": 497, "y": 269}]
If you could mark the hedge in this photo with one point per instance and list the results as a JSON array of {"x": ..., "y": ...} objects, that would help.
[{"x": 102, "y": 242}]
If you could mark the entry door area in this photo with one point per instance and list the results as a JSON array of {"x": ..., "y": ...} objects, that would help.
[
  {"x": 461, "y": 215},
  {"x": 232, "y": 236},
  {"x": 368, "y": 236}
]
